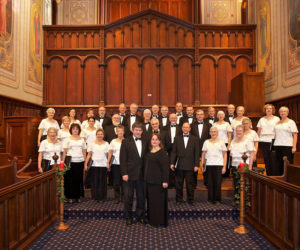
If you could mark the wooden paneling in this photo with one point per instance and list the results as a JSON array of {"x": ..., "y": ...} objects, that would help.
[
  {"x": 27, "y": 209},
  {"x": 179, "y": 8},
  {"x": 274, "y": 210},
  {"x": 104, "y": 64}
]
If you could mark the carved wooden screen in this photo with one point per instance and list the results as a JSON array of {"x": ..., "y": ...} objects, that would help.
[{"x": 147, "y": 58}]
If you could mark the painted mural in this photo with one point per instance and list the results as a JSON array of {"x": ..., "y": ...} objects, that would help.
[
  {"x": 264, "y": 38},
  {"x": 6, "y": 35},
  {"x": 35, "y": 42},
  {"x": 294, "y": 34},
  {"x": 220, "y": 12}
]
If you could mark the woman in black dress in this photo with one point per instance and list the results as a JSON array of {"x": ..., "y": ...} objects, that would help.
[{"x": 156, "y": 178}]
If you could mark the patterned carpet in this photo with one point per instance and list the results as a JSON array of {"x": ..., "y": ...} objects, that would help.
[
  {"x": 180, "y": 234},
  {"x": 101, "y": 226}
]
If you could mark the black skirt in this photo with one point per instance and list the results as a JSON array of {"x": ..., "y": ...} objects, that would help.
[
  {"x": 73, "y": 180},
  {"x": 157, "y": 201}
]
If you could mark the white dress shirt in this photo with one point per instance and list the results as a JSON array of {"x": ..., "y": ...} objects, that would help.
[
  {"x": 200, "y": 127},
  {"x": 74, "y": 149},
  {"x": 138, "y": 144},
  {"x": 132, "y": 120},
  {"x": 186, "y": 139},
  {"x": 190, "y": 120},
  {"x": 115, "y": 147},
  {"x": 237, "y": 149},
  {"x": 173, "y": 133},
  {"x": 49, "y": 149},
  {"x": 214, "y": 152},
  {"x": 99, "y": 155},
  {"x": 164, "y": 121},
  {"x": 45, "y": 125},
  {"x": 223, "y": 130},
  {"x": 179, "y": 115}
]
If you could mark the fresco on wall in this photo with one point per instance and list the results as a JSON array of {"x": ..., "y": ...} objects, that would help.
[
  {"x": 264, "y": 38},
  {"x": 6, "y": 35},
  {"x": 35, "y": 42},
  {"x": 294, "y": 34},
  {"x": 220, "y": 12}
]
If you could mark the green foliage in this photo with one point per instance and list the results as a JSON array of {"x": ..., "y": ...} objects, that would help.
[
  {"x": 236, "y": 176},
  {"x": 60, "y": 189}
]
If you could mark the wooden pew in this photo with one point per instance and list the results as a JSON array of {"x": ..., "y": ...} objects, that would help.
[
  {"x": 275, "y": 206},
  {"x": 297, "y": 158}
]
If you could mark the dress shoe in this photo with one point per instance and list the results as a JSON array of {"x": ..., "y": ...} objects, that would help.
[
  {"x": 142, "y": 221},
  {"x": 192, "y": 203},
  {"x": 129, "y": 222}
]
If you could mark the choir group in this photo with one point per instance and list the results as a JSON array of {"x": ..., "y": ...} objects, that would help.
[{"x": 159, "y": 150}]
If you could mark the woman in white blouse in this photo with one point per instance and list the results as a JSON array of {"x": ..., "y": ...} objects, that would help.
[
  {"x": 72, "y": 116},
  {"x": 85, "y": 123},
  {"x": 47, "y": 149},
  {"x": 89, "y": 134},
  {"x": 74, "y": 152},
  {"x": 214, "y": 153},
  {"x": 225, "y": 134},
  {"x": 64, "y": 133},
  {"x": 286, "y": 135},
  {"x": 46, "y": 124},
  {"x": 98, "y": 151},
  {"x": 114, "y": 150},
  {"x": 240, "y": 111},
  {"x": 266, "y": 134},
  {"x": 251, "y": 136},
  {"x": 240, "y": 145}
]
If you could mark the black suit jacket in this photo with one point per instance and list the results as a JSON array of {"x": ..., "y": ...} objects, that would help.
[
  {"x": 106, "y": 121},
  {"x": 227, "y": 118},
  {"x": 165, "y": 139},
  {"x": 123, "y": 122},
  {"x": 167, "y": 130},
  {"x": 131, "y": 163},
  {"x": 184, "y": 116},
  {"x": 145, "y": 130},
  {"x": 186, "y": 158},
  {"x": 186, "y": 119},
  {"x": 207, "y": 120},
  {"x": 110, "y": 134},
  {"x": 161, "y": 123},
  {"x": 204, "y": 136},
  {"x": 127, "y": 122}
]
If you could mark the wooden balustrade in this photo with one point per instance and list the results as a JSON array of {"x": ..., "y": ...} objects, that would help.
[{"x": 27, "y": 209}]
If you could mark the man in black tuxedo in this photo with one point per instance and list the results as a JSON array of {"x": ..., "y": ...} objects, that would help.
[
  {"x": 131, "y": 118},
  {"x": 163, "y": 118},
  {"x": 185, "y": 157},
  {"x": 211, "y": 116},
  {"x": 103, "y": 119},
  {"x": 179, "y": 111},
  {"x": 172, "y": 130},
  {"x": 190, "y": 117},
  {"x": 132, "y": 153},
  {"x": 155, "y": 111},
  {"x": 200, "y": 129},
  {"x": 122, "y": 113},
  {"x": 155, "y": 129},
  {"x": 230, "y": 113},
  {"x": 146, "y": 122},
  {"x": 110, "y": 132}
]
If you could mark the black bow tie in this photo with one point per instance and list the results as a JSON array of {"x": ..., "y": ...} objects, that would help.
[
  {"x": 132, "y": 115},
  {"x": 185, "y": 135},
  {"x": 211, "y": 118},
  {"x": 101, "y": 117},
  {"x": 230, "y": 115},
  {"x": 165, "y": 117},
  {"x": 138, "y": 139},
  {"x": 179, "y": 114},
  {"x": 155, "y": 131},
  {"x": 190, "y": 117},
  {"x": 122, "y": 115},
  {"x": 173, "y": 126},
  {"x": 147, "y": 123},
  {"x": 156, "y": 116},
  {"x": 200, "y": 123}
]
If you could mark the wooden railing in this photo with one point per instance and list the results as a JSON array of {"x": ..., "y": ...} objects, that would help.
[
  {"x": 275, "y": 210},
  {"x": 27, "y": 209}
]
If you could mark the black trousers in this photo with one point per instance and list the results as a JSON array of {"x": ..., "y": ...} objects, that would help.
[
  {"x": 266, "y": 150},
  {"x": 73, "y": 180},
  {"x": 129, "y": 187},
  {"x": 188, "y": 176},
  {"x": 282, "y": 151},
  {"x": 214, "y": 179},
  {"x": 228, "y": 164},
  {"x": 117, "y": 181},
  {"x": 98, "y": 183}
]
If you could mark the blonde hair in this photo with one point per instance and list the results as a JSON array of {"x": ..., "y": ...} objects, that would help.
[
  {"x": 220, "y": 112},
  {"x": 284, "y": 107},
  {"x": 65, "y": 118},
  {"x": 50, "y": 109},
  {"x": 100, "y": 130},
  {"x": 247, "y": 119},
  {"x": 269, "y": 105},
  {"x": 52, "y": 129}
]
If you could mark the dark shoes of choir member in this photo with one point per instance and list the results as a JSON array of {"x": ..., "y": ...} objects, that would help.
[
  {"x": 128, "y": 221},
  {"x": 192, "y": 203},
  {"x": 143, "y": 221}
]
